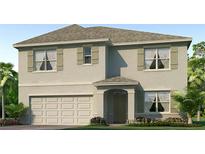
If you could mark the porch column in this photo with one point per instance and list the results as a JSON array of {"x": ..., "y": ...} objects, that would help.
[
  {"x": 131, "y": 104},
  {"x": 100, "y": 103}
]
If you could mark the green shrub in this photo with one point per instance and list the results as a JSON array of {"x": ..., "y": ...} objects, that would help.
[
  {"x": 15, "y": 110},
  {"x": 176, "y": 120},
  {"x": 163, "y": 124},
  {"x": 143, "y": 120},
  {"x": 98, "y": 121}
]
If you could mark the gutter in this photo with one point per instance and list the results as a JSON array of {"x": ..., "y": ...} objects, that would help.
[
  {"x": 61, "y": 43},
  {"x": 189, "y": 39},
  {"x": 116, "y": 84}
]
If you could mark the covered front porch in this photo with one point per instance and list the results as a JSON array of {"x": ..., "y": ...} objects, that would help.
[{"x": 115, "y": 99}]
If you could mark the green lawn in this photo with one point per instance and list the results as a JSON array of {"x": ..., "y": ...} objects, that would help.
[{"x": 124, "y": 127}]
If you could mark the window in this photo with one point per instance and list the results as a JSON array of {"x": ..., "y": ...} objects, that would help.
[
  {"x": 157, "y": 58},
  {"x": 45, "y": 60},
  {"x": 87, "y": 55},
  {"x": 157, "y": 102}
]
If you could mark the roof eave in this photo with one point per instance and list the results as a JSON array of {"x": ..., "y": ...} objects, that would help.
[
  {"x": 61, "y": 43},
  {"x": 189, "y": 40},
  {"x": 116, "y": 84}
]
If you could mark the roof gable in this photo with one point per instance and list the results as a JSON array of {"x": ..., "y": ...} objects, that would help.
[{"x": 117, "y": 80}]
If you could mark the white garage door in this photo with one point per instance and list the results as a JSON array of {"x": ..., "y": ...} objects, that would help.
[{"x": 61, "y": 110}]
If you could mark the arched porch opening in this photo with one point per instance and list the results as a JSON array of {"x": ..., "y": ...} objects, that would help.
[{"x": 116, "y": 106}]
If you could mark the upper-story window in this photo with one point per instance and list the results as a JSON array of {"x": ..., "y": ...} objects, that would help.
[
  {"x": 87, "y": 55},
  {"x": 157, "y": 58},
  {"x": 157, "y": 101},
  {"x": 45, "y": 60}
]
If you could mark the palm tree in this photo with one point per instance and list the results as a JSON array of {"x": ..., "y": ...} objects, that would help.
[
  {"x": 189, "y": 102},
  {"x": 6, "y": 72}
]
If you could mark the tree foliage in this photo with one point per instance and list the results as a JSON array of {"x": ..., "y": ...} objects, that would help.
[
  {"x": 196, "y": 73},
  {"x": 15, "y": 110},
  {"x": 189, "y": 101},
  {"x": 194, "y": 97},
  {"x": 199, "y": 47},
  {"x": 196, "y": 70},
  {"x": 11, "y": 84}
]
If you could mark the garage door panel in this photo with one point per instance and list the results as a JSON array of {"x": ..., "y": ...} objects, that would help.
[
  {"x": 84, "y": 106},
  {"x": 52, "y": 99},
  {"x": 52, "y": 113},
  {"x": 61, "y": 110},
  {"x": 67, "y": 99},
  {"x": 67, "y": 106},
  {"x": 37, "y": 106},
  {"x": 37, "y": 99},
  {"x": 84, "y": 113},
  {"x": 83, "y": 99},
  {"x": 52, "y": 106},
  {"x": 67, "y": 121},
  {"x": 67, "y": 113},
  {"x": 37, "y": 120},
  {"x": 83, "y": 121},
  {"x": 52, "y": 120},
  {"x": 37, "y": 113}
]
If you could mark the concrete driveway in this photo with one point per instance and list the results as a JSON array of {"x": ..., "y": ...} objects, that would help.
[{"x": 32, "y": 127}]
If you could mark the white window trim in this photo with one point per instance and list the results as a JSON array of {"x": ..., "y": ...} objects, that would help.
[
  {"x": 44, "y": 71},
  {"x": 87, "y": 55},
  {"x": 156, "y": 91},
  {"x": 44, "y": 50},
  {"x": 156, "y": 51},
  {"x": 87, "y": 64}
]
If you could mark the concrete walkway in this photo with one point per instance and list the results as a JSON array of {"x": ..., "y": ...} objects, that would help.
[{"x": 32, "y": 127}]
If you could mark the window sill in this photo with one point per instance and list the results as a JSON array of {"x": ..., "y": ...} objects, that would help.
[
  {"x": 87, "y": 64},
  {"x": 53, "y": 71},
  {"x": 157, "y": 113},
  {"x": 156, "y": 70}
]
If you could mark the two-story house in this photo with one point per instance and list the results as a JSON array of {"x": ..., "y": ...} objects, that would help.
[{"x": 70, "y": 75}]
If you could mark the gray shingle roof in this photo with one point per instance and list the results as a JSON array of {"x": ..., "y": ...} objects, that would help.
[
  {"x": 116, "y": 35},
  {"x": 118, "y": 80}
]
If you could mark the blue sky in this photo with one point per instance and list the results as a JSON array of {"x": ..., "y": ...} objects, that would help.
[{"x": 10, "y": 34}]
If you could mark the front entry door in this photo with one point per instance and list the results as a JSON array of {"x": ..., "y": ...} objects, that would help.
[{"x": 119, "y": 108}]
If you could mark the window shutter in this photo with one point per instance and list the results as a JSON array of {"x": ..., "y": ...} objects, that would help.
[
  {"x": 30, "y": 61},
  {"x": 140, "y": 59},
  {"x": 80, "y": 56},
  {"x": 95, "y": 55},
  {"x": 174, "y": 104},
  {"x": 174, "y": 57},
  {"x": 59, "y": 59}
]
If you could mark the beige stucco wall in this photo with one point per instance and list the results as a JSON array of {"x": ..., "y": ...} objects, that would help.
[
  {"x": 123, "y": 62},
  {"x": 77, "y": 79},
  {"x": 26, "y": 92},
  {"x": 71, "y": 71},
  {"x": 73, "y": 80}
]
